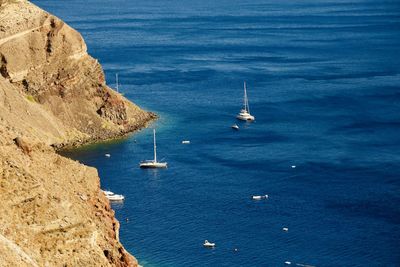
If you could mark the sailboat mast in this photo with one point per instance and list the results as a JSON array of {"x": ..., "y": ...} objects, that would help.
[
  {"x": 116, "y": 82},
  {"x": 155, "y": 146},
  {"x": 247, "y": 103},
  {"x": 245, "y": 97}
]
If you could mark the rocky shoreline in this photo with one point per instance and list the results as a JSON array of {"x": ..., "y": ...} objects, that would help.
[
  {"x": 53, "y": 96},
  {"x": 107, "y": 137}
]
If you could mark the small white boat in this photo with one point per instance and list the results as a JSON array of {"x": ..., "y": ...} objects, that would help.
[
  {"x": 293, "y": 166},
  {"x": 285, "y": 229},
  {"x": 107, "y": 155},
  {"x": 208, "y": 244},
  {"x": 116, "y": 197},
  {"x": 113, "y": 197},
  {"x": 244, "y": 113},
  {"x": 235, "y": 127},
  {"x": 288, "y": 262},
  {"x": 153, "y": 163},
  {"x": 185, "y": 142},
  {"x": 260, "y": 197}
]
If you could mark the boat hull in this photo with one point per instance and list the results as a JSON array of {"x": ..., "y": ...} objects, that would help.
[
  {"x": 153, "y": 165},
  {"x": 245, "y": 117},
  {"x": 116, "y": 198}
]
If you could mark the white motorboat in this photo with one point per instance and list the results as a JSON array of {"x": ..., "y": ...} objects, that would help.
[
  {"x": 116, "y": 197},
  {"x": 288, "y": 262},
  {"x": 153, "y": 163},
  {"x": 185, "y": 142},
  {"x": 107, "y": 155},
  {"x": 244, "y": 113},
  {"x": 260, "y": 197},
  {"x": 208, "y": 244},
  {"x": 285, "y": 229},
  {"x": 113, "y": 197},
  {"x": 235, "y": 127}
]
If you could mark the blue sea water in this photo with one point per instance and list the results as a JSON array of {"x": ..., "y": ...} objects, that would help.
[{"x": 324, "y": 84}]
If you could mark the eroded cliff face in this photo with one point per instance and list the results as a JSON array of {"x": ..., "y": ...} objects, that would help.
[
  {"x": 53, "y": 94},
  {"x": 53, "y": 212},
  {"x": 47, "y": 62}
]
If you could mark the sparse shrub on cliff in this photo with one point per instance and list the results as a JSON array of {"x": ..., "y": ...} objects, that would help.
[{"x": 31, "y": 98}]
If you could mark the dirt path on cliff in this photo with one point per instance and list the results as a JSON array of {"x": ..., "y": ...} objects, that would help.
[
  {"x": 20, "y": 34},
  {"x": 17, "y": 250}
]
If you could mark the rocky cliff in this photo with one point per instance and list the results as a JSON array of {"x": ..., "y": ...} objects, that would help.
[{"x": 53, "y": 94}]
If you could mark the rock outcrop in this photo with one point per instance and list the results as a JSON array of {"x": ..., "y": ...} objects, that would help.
[
  {"x": 52, "y": 95},
  {"x": 46, "y": 62}
]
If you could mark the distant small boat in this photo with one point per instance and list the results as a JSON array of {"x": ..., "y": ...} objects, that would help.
[
  {"x": 107, "y": 155},
  {"x": 208, "y": 244},
  {"x": 244, "y": 113},
  {"x": 235, "y": 127},
  {"x": 288, "y": 262},
  {"x": 260, "y": 197},
  {"x": 185, "y": 142},
  {"x": 113, "y": 197},
  {"x": 285, "y": 229},
  {"x": 293, "y": 166},
  {"x": 153, "y": 163}
]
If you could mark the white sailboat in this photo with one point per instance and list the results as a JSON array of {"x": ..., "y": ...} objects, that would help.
[
  {"x": 153, "y": 163},
  {"x": 244, "y": 114}
]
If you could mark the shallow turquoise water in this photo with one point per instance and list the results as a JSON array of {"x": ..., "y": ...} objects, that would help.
[{"x": 323, "y": 81}]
